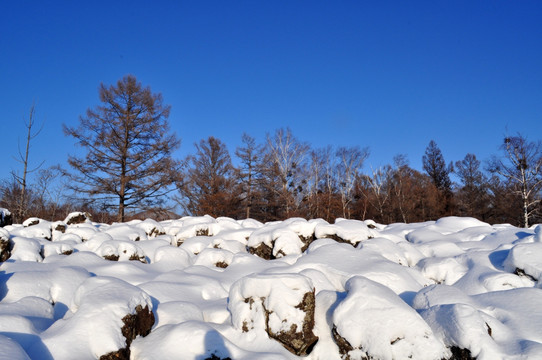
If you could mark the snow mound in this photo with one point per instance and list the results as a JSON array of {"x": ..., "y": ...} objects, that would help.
[
  {"x": 193, "y": 340},
  {"x": 373, "y": 322},
  {"x": 97, "y": 312},
  {"x": 348, "y": 231},
  {"x": 77, "y": 217},
  {"x": 525, "y": 259},
  {"x": 280, "y": 306},
  {"x": 462, "y": 326}
]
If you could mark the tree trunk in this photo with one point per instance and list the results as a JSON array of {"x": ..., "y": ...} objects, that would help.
[
  {"x": 525, "y": 203},
  {"x": 249, "y": 192}
]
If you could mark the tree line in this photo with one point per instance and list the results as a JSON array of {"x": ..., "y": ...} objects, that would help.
[{"x": 128, "y": 167}]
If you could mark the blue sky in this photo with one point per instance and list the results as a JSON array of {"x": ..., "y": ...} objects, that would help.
[{"x": 390, "y": 75}]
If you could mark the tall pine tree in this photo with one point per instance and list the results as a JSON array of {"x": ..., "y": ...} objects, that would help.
[{"x": 435, "y": 166}]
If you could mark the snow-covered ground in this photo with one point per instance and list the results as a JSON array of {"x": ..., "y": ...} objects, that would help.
[{"x": 205, "y": 288}]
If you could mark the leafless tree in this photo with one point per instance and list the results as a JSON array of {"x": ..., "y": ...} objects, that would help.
[
  {"x": 51, "y": 189},
  {"x": 315, "y": 179},
  {"x": 522, "y": 167},
  {"x": 350, "y": 162},
  {"x": 21, "y": 206},
  {"x": 398, "y": 181},
  {"x": 128, "y": 147},
  {"x": 378, "y": 183},
  {"x": 287, "y": 157}
]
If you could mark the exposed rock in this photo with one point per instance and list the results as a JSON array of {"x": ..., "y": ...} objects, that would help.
[
  {"x": 121, "y": 354},
  {"x": 5, "y": 217},
  {"x": 137, "y": 257},
  {"x": 299, "y": 341},
  {"x": 156, "y": 232},
  {"x": 202, "y": 232},
  {"x": 221, "y": 264},
  {"x": 111, "y": 257},
  {"x": 521, "y": 272},
  {"x": 136, "y": 324},
  {"x": 214, "y": 357},
  {"x": 59, "y": 226},
  {"x": 339, "y": 239},
  {"x": 461, "y": 354},
  {"x": 307, "y": 240},
  {"x": 31, "y": 222},
  {"x": 5, "y": 245},
  {"x": 344, "y": 346},
  {"x": 262, "y": 250},
  {"x": 77, "y": 218}
]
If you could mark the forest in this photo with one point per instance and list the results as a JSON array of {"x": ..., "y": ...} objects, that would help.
[{"x": 129, "y": 172}]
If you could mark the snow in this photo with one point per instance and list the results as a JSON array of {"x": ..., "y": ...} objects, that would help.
[
  {"x": 387, "y": 291},
  {"x": 274, "y": 298},
  {"x": 379, "y": 324},
  {"x": 527, "y": 258},
  {"x": 95, "y": 313}
]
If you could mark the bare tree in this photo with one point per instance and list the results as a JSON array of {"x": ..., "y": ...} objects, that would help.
[
  {"x": 50, "y": 188},
  {"x": 315, "y": 179},
  {"x": 287, "y": 161},
  {"x": 350, "y": 162},
  {"x": 398, "y": 184},
  {"x": 522, "y": 167},
  {"x": 128, "y": 147},
  {"x": 21, "y": 205},
  {"x": 378, "y": 184}
]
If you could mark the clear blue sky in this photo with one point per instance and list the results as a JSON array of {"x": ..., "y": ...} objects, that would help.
[{"x": 387, "y": 75}]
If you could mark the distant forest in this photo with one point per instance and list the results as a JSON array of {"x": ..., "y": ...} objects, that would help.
[
  {"x": 129, "y": 173},
  {"x": 285, "y": 178}
]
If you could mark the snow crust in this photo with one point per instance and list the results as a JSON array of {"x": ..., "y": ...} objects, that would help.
[{"x": 388, "y": 291}]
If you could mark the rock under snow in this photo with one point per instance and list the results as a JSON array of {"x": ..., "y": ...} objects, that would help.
[{"x": 282, "y": 306}]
